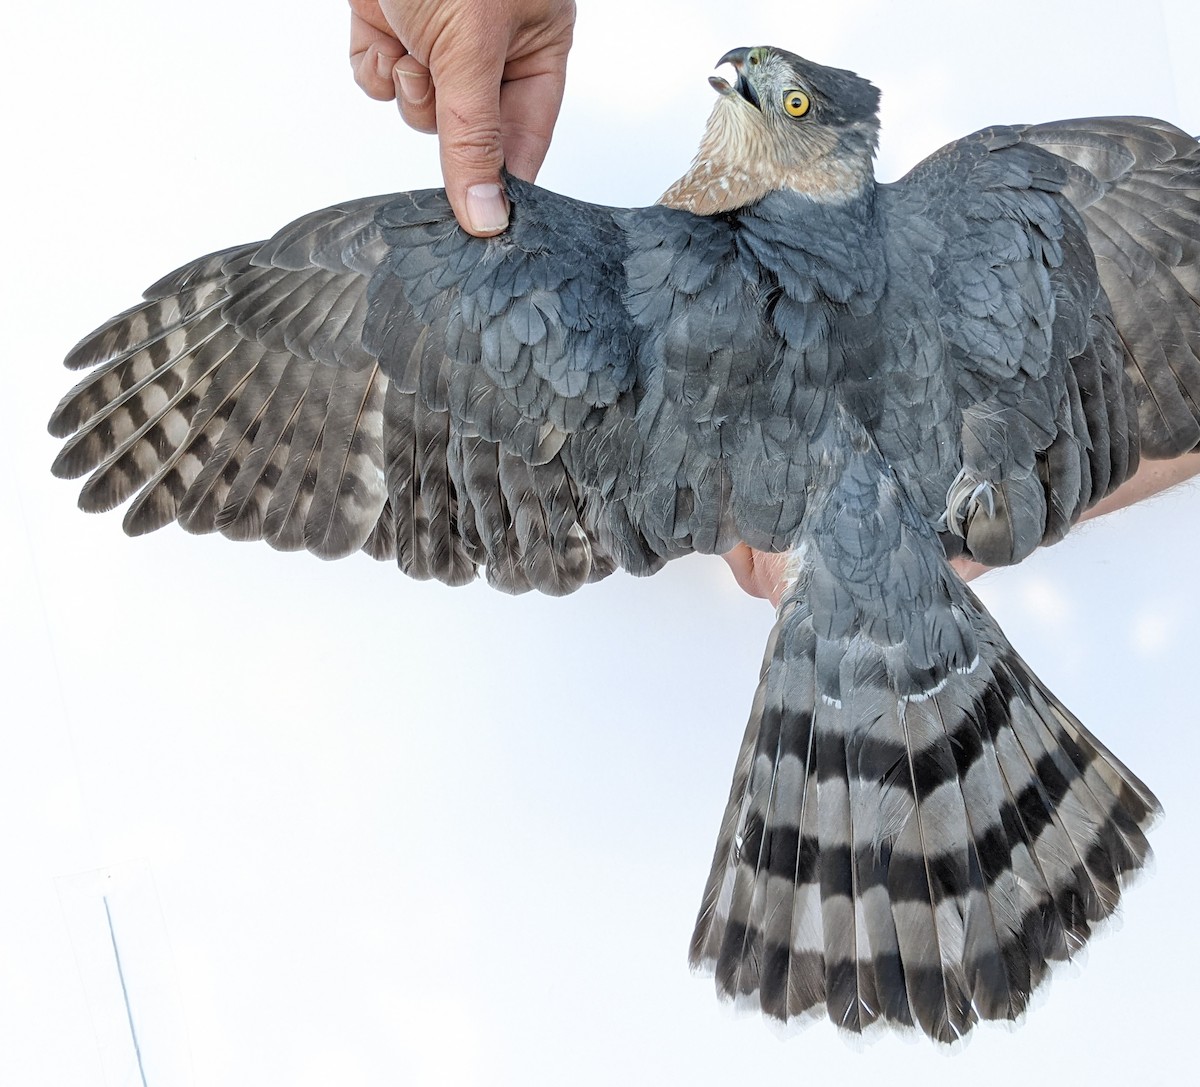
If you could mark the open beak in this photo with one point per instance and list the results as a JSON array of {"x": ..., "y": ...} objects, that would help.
[{"x": 736, "y": 57}]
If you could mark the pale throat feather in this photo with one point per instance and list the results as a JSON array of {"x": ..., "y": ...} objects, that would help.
[{"x": 740, "y": 160}]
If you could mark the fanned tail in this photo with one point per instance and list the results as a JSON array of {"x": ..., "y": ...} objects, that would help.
[{"x": 917, "y": 860}]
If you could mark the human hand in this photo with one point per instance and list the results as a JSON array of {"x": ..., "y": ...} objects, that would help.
[
  {"x": 486, "y": 75},
  {"x": 759, "y": 573}
]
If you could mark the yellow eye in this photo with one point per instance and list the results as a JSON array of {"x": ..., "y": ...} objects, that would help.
[{"x": 796, "y": 102}]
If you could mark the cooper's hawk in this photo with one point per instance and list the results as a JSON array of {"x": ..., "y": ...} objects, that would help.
[{"x": 787, "y": 354}]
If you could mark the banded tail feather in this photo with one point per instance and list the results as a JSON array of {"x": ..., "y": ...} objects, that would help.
[{"x": 919, "y": 861}]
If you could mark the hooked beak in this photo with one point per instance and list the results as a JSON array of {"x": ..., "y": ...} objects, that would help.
[{"x": 739, "y": 59}]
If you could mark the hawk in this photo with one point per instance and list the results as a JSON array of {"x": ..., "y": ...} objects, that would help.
[{"x": 785, "y": 353}]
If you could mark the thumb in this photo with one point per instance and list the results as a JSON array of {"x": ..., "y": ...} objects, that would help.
[{"x": 468, "y": 123}]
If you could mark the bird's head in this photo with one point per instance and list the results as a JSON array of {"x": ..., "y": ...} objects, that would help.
[{"x": 784, "y": 123}]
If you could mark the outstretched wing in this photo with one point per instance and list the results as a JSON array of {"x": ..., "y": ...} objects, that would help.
[
  {"x": 547, "y": 404},
  {"x": 1068, "y": 307}
]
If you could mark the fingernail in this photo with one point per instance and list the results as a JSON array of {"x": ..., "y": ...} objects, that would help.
[
  {"x": 413, "y": 87},
  {"x": 383, "y": 66},
  {"x": 486, "y": 209}
]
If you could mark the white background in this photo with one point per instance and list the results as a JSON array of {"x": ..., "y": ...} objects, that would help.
[{"x": 359, "y": 830}]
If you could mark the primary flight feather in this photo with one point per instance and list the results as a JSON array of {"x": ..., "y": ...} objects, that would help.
[{"x": 784, "y": 353}]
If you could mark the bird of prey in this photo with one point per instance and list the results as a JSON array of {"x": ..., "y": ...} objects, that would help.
[{"x": 784, "y": 353}]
